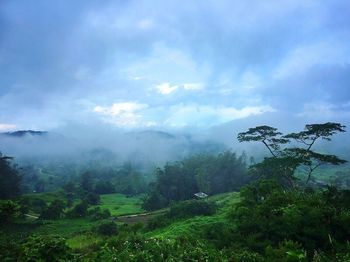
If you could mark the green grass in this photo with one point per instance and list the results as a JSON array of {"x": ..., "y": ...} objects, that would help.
[
  {"x": 83, "y": 241},
  {"x": 193, "y": 226},
  {"x": 186, "y": 227},
  {"x": 47, "y": 196},
  {"x": 77, "y": 231},
  {"x": 119, "y": 204},
  {"x": 65, "y": 227}
]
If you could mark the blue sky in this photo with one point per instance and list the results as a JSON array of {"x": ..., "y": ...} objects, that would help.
[{"x": 171, "y": 64}]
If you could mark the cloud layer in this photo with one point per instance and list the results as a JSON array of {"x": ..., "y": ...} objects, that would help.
[{"x": 159, "y": 63}]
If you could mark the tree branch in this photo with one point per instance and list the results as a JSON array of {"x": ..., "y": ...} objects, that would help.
[{"x": 268, "y": 148}]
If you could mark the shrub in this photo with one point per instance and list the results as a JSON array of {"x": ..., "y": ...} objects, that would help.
[
  {"x": 45, "y": 248},
  {"x": 8, "y": 211},
  {"x": 107, "y": 228},
  {"x": 92, "y": 198},
  {"x": 54, "y": 210},
  {"x": 98, "y": 214},
  {"x": 79, "y": 210},
  {"x": 192, "y": 208},
  {"x": 104, "y": 187}
]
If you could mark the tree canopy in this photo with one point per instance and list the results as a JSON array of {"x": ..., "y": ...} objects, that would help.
[
  {"x": 284, "y": 159},
  {"x": 9, "y": 178}
]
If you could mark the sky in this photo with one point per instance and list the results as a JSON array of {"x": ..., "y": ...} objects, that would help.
[{"x": 171, "y": 64}]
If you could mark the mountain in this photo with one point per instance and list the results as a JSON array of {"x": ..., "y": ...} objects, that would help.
[{"x": 21, "y": 133}]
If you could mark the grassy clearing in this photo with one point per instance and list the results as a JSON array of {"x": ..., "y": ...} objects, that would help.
[
  {"x": 119, "y": 204},
  {"x": 65, "y": 227},
  {"x": 77, "y": 231},
  {"x": 186, "y": 227},
  {"x": 83, "y": 241},
  {"x": 193, "y": 226},
  {"x": 47, "y": 196}
]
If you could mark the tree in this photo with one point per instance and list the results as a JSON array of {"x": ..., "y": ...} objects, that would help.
[
  {"x": 284, "y": 161},
  {"x": 54, "y": 210},
  {"x": 86, "y": 182},
  {"x": 92, "y": 198},
  {"x": 8, "y": 211},
  {"x": 9, "y": 178},
  {"x": 80, "y": 210},
  {"x": 104, "y": 187}
]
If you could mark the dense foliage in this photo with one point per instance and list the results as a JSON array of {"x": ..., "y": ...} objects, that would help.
[
  {"x": 314, "y": 221},
  {"x": 269, "y": 220},
  {"x": 9, "y": 178},
  {"x": 207, "y": 173}
]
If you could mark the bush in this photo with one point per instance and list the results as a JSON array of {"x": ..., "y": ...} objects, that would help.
[
  {"x": 45, "y": 248},
  {"x": 92, "y": 198},
  {"x": 8, "y": 211},
  {"x": 54, "y": 210},
  {"x": 138, "y": 248},
  {"x": 104, "y": 187},
  {"x": 98, "y": 214},
  {"x": 107, "y": 229},
  {"x": 79, "y": 210},
  {"x": 154, "y": 201},
  {"x": 157, "y": 222},
  {"x": 192, "y": 208}
]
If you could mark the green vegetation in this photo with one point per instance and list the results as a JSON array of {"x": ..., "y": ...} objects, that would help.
[
  {"x": 285, "y": 161},
  {"x": 273, "y": 216},
  {"x": 9, "y": 178},
  {"x": 119, "y": 204},
  {"x": 210, "y": 174}
]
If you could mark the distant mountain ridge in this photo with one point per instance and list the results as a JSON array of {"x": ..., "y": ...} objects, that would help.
[{"x": 21, "y": 133}]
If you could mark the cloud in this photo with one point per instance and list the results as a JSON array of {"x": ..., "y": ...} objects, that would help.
[
  {"x": 322, "y": 111},
  {"x": 7, "y": 127},
  {"x": 126, "y": 114},
  {"x": 204, "y": 54},
  {"x": 166, "y": 88},
  {"x": 193, "y": 86},
  {"x": 304, "y": 57},
  {"x": 138, "y": 115},
  {"x": 200, "y": 115}
]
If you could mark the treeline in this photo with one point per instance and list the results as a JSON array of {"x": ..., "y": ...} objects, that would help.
[
  {"x": 126, "y": 179},
  {"x": 211, "y": 174}
]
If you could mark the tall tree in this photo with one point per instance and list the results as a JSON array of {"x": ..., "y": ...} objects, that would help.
[
  {"x": 9, "y": 178},
  {"x": 284, "y": 160}
]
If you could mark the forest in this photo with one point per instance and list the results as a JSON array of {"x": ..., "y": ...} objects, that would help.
[{"x": 292, "y": 205}]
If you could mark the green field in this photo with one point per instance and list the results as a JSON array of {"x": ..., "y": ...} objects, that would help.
[
  {"x": 119, "y": 204},
  {"x": 77, "y": 231}
]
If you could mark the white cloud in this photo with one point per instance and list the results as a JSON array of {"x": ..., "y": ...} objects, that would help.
[
  {"x": 207, "y": 115},
  {"x": 192, "y": 86},
  {"x": 134, "y": 115},
  {"x": 7, "y": 127},
  {"x": 169, "y": 65},
  {"x": 305, "y": 56},
  {"x": 126, "y": 114},
  {"x": 166, "y": 88}
]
